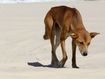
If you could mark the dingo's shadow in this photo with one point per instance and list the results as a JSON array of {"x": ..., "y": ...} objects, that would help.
[{"x": 38, "y": 64}]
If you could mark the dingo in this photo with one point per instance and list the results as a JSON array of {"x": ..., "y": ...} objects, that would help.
[{"x": 60, "y": 23}]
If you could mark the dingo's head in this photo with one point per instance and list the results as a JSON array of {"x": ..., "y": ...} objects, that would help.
[{"x": 82, "y": 40}]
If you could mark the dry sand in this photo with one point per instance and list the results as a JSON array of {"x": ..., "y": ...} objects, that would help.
[{"x": 21, "y": 32}]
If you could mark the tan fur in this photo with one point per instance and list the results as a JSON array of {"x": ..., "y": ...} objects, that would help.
[{"x": 60, "y": 23}]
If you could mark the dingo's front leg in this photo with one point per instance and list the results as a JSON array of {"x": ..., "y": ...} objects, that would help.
[{"x": 74, "y": 55}]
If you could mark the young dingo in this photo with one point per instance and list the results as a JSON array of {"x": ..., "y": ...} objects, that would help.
[{"x": 60, "y": 23}]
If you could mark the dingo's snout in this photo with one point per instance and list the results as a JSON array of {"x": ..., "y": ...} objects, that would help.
[{"x": 85, "y": 54}]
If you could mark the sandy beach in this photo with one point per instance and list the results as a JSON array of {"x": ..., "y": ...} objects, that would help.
[{"x": 21, "y": 41}]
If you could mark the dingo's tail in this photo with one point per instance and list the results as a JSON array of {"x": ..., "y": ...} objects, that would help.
[{"x": 45, "y": 37}]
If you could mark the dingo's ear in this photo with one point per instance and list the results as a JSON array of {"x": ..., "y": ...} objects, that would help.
[
  {"x": 93, "y": 34},
  {"x": 73, "y": 35}
]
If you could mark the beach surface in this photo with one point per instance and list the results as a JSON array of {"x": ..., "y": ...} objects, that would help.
[{"x": 21, "y": 42}]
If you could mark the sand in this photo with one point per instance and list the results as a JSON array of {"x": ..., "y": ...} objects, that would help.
[{"x": 21, "y": 41}]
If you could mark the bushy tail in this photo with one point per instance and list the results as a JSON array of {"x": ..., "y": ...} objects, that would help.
[{"x": 45, "y": 37}]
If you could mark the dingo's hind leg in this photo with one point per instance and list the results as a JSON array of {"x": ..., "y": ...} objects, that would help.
[
  {"x": 63, "y": 61},
  {"x": 55, "y": 41}
]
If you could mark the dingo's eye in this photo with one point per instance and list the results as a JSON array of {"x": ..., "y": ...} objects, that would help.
[
  {"x": 81, "y": 42},
  {"x": 89, "y": 43}
]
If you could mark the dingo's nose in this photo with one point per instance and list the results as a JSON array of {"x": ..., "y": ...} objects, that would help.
[{"x": 85, "y": 54}]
